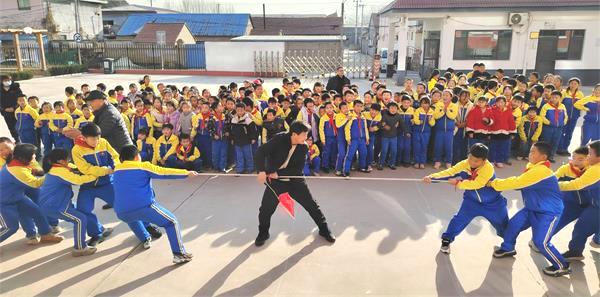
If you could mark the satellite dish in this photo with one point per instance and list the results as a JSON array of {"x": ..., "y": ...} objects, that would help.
[
  {"x": 27, "y": 30},
  {"x": 516, "y": 18}
]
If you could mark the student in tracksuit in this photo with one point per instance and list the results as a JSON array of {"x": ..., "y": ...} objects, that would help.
[
  {"x": 328, "y": 135},
  {"x": 43, "y": 122},
  {"x": 373, "y": 117},
  {"x": 56, "y": 194},
  {"x": 341, "y": 119},
  {"x": 201, "y": 135},
  {"x": 313, "y": 159},
  {"x": 554, "y": 116},
  {"x": 59, "y": 121},
  {"x": 590, "y": 130},
  {"x": 459, "y": 143},
  {"x": 132, "y": 178},
  {"x": 588, "y": 223},
  {"x": 16, "y": 178},
  {"x": 543, "y": 207},
  {"x": 404, "y": 142},
  {"x": 165, "y": 146},
  {"x": 357, "y": 137},
  {"x": 187, "y": 155},
  {"x": 26, "y": 117},
  {"x": 423, "y": 120},
  {"x": 479, "y": 199},
  {"x": 570, "y": 96},
  {"x": 445, "y": 113},
  {"x": 145, "y": 144},
  {"x": 216, "y": 128},
  {"x": 141, "y": 119}
]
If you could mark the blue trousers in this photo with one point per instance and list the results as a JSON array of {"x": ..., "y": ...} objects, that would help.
[
  {"x": 500, "y": 150},
  {"x": 85, "y": 204},
  {"x": 388, "y": 146},
  {"x": 420, "y": 141},
  {"x": 146, "y": 156},
  {"x": 174, "y": 162},
  {"x": 243, "y": 158},
  {"x": 47, "y": 142},
  {"x": 74, "y": 216},
  {"x": 360, "y": 146},
  {"x": 27, "y": 136},
  {"x": 567, "y": 133},
  {"x": 371, "y": 147},
  {"x": 10, "y": 214},
  {"x": 61, "y": 141},
  {"x": 589, "y": 132},
  {"x": 443, "y": 146},
  {"x": 329, "y": 153},
  {"x": 158, "y": 215},
  {"x": 495, "y": 213},
  {"x": 551, "y": 135},
  {"x": 542, "y": 226},
  {"x": 219, "y": 154},
  {"x": 403, "y": 147},
  {"x": 204, "y": 144},
  {"x": 341, "y": 154},
  {"x": 571, "y": 212},
  {"x": 312, "y": 166},
  {"x": 459, "y": 146},
  {"x": 587, "y": 225}
]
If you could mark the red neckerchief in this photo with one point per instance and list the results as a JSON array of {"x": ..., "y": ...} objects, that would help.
[
  {"x": 532, "y": 125},
  {"x": 186, "y": 150},
  {"x": 546, "y": 163},
  {"x": 309, "y": 112},
  {"x": 359, "y": 119},
  {"x": 576, "y": 170},
  {"x": 332, "y": 123},
  {"x": 80, "y": 141},
  {"x": 205, "y": 116},
  {"x": 473, "y": 173},
  {"x": 14, "y": 163},
  {"x": 574, "y": 96},
  {"x": 312, "y": 150},
  {"x": 60, "y": 112},
  {"x": 556, "y": 113}
]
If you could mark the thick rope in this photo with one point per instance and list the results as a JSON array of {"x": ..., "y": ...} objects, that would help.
[{"x": 323, "y": 177}]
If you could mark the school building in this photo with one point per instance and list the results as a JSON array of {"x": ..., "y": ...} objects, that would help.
[{"x": 550, "y": 36}]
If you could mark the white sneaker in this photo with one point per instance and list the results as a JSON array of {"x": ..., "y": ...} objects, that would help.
[
  {"x": 55, "y": 229},
  {"x": 182, "y": 258},
  {"x": 148, "y": 243},
  {"x": 533, "y": 247},
  {"x": 33, "y": 240},
  {"x": 88, "y": 250}
]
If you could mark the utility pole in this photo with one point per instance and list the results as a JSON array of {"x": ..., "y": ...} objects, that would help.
[
  {"x": 356, "y": 24},
  {"x": 342, "y": 29},
  {"x": 77, "y": 29},
  {"x": 264, "y": 18},
  {"x": 150, "y": 3},
  {"x": 362, "y": 25}
]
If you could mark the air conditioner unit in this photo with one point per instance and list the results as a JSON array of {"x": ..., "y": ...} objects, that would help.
[{"x": 517, "y": 18}]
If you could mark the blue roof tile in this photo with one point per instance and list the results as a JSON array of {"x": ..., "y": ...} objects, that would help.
[{"x": 200, "y": 24}]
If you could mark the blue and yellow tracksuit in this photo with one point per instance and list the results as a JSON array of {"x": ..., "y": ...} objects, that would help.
[
  {"x": 422, "y": 123},
  {"x": 444, "y": 115},
  {"x": 25, "y": 126},
  {"x": 133, "y": 179},
  {"x": 574, "y": 201},
  {"x": 43, "y": 122},
  {"x": 313, "y": 160},
  {"x": 82, "y": 121},
  {"x": 459, "y": 142},
  {"x": 60, "y": 121},
  {"x": 201, "y": 136},
  {"x": 76, "y": 114},
  {"x": 357, "y": 136},
  {"x": 543, "y": 207},
  {"x": 328, "y": 136},
  {"x": 374, "y": 136},
  {"x": 573, "y": 114},
  {"x": 219, "y": 144},
  {"x": 187, "y": 158},
  {"x": 340, "y": 123},
  {"x": 96, "y": 161},
  {"x": 164, "y": 148},
  {"x": 17, "y": 183},
  {"x": 404, "y": 143},
  {"x": 554, "y": 118},
  {"x": 478, "y": 199},
  {"x": 146, "y": 148},
  {"x": 529, "y": 132},
  {"x": 55, "y": 200},
  {"x": 590, "y": 130},
  {"x": 589, "y": 219},
  {"x": 139, "y": 121}
]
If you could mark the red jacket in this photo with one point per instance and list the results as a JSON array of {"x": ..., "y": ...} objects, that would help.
[
  {"x": 476, "y": 122},
  {"x": 503, "y": 121}
]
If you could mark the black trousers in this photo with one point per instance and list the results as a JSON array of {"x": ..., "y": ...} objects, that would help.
[
  {"x": 299, "y": 191},
  {"x": 11, "y": 122}
]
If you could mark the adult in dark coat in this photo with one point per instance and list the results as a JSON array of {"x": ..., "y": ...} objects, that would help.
[
  {"x": 338, "y": 81},
  {"x": 110, "y": 121},
  {"x": 9, "y": 91}
]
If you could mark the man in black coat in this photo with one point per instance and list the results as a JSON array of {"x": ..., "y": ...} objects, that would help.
[
  {"x": 285, "y": 155},
  {"x": 110, "y": 121},
  {"x": 338, "y": 81},
  {"x": 9, "y": 91}
]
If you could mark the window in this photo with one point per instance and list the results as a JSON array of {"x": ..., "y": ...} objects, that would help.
[
  {"x": 107, "y": 27},
  {"x": 24, "y": 4},
  {"x": 482, "y": 45},
  {"x": 569, "y": 45}
]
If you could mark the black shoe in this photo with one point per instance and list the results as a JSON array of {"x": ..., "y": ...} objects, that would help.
[
  {"x": 572, "y": 256},
  {"x": 325, "y": 170},
  {"x": 100, "y": 238},
  {"x": 327, "y": 235},
  {"x": 346, "y": 174},
  {"x": 261, "y": 238},
  {"x": 553, "y": 271},
  {"x": 154, "y": 231},
  {"x": 500, "y": 253},
  {"x": 405, "y": 165},
  {"x": 107, "y": 206},
  {"x": 392, "y": 167},
  {"x": 379, "y": 167},
  {"x": 445, "y": 248}
]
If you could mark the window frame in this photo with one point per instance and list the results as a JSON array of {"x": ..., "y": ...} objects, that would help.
[
  {"x": 568, "y": 56},
  {"x": 470, "y": 57},
  {"x": 22, "y": 7}
]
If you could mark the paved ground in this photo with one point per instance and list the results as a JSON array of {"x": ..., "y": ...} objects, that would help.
[{"x": 388, "y": 240}]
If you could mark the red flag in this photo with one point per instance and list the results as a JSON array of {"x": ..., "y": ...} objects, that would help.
[{"x": 288, "y": 203}]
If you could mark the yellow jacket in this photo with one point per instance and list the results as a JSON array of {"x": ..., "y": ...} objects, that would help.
[
  {"x": 60, "y": 117},
  {"x": 189, "y": 156},
  {"x": 588, "y": 178},
  {"x": 526, "y": 123},
  {"x": 314, "y": 152},
  {"x": 439, "y": 111},
  {"x": 421, "y": 112},
  {"x": 82, "y": 119},
  {"x": 163, "y": 148}
]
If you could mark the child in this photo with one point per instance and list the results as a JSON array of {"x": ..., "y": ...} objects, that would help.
[
  {"x": 309, "y": 115},
  {"x": 112, "y": 98},
  {"x": 373, "y": 117},
  {"x": 543, "y": 207},
  {"x": 158, "y": 117},
  {"x": 201, "y": 134},
  {"x": 357, "y": 137},
  {"x": 165, "y": 146},
  {"x": 479, "y": 122},
  {"x": 26, "y": 117},
  {"x": 554, "y": 117},
  {"x": 328, "y": 135},
  {"x": 502, "y": 129},
  {"x": 472, "y": 175},
  {"x": 187, "y": 155},
  {"x": 16, "y": 179},
  {"x": 530, "y": 130},
  {"x": 73, "y": 110},
  {"x": 272, "y": 124},
  {"x": 61, "y": 120},
  {"x": 186, "y": 118},
  {"x": 133, "y": 179},
  {"x": 219, "y": 143},
  {"x": 141, "y": 119},
  {"x": 69, "y": 94},
  {"x": 445, "y": 112},
  {"x": 423, "y": 120},
  {"x": 272, "y": 104},
  {"x": 88, "y": 117},
  {"x": 56, "y": 194},
  {"x": 590, "y": 130},
  {"x": 145, "y": 144},
  {"x": 392, "y": 127},
  {"x": 126, "y": 114},
  {"x": 313, "y": 159},
  {"x": 570, "y": 95},
  {"x": 43, "y": 123},
  {"x": 459, "y": 148},
  {"x": 243, "y": 135},
  {"x": 404, "y": 142},
  {"x": 341, "y": 119}
]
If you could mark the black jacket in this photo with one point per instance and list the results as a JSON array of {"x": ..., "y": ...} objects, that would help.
[
  {"x": 242, "y": 131},
  {"x": 8, "y": 98},
  {"x": 337, "y": 83},
  {"x": 270, "y": 156},
  {"x": 110, "y": 121},
  {"x": 274, "y": 127},
  {"x": 394, "y": 122}
]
